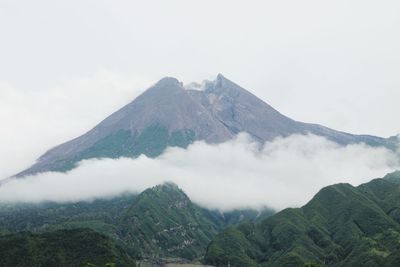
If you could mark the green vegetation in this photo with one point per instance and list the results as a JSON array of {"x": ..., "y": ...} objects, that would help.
[
  {"x": 341, "y": 226},
  {"x": 3, "y": 232},
  {"x": 164, "y": 222},
  {"x": 101, "y": 215},
  {"x": 160, "y": 222},
  {"x": 151, "y": 142},
  {"x": 64, "y": 248}
]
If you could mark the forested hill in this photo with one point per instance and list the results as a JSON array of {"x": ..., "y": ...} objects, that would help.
[
  {"x": 159, "y": 222},
  {"x": 341, "y": 226},
  {"x": 62, "y": 248}
]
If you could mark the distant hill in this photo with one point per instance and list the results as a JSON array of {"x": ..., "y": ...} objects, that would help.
[
  {"x": 341, "y": 226},
  {"x": 168, "y": 114},
  {"x": 63, "y": 248},
  {"x": 164, "y": 222},
  {"x": 159, "y": 222}
]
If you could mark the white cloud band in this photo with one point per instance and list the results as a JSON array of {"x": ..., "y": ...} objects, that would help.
[{"x": 236, "y": 174}]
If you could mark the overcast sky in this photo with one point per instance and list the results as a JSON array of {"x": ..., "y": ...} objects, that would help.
[{"x": 65, "y": 65}]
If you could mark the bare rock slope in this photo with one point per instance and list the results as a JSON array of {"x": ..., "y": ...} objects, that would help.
[{"x": 168, "y": 114}]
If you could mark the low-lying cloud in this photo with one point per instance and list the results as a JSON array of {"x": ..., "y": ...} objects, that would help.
[{"x": 286, "y": 172}]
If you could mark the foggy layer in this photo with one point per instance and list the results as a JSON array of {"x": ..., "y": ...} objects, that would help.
[{"x": 286, "y": 172}]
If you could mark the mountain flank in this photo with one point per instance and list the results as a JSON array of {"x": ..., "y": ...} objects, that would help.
[
  {"x": 341, "y": 226},
  {"x": 168, "y": 114},
  {"x": 161, "y": 222}
]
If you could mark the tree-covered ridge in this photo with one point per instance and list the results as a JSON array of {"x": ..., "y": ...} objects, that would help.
[
  {"x": 62, "y": 248},
  {"x": 159, "y": 222},
  {"x": 341, "y": 226},
  {"x": 164, "y": 222}
]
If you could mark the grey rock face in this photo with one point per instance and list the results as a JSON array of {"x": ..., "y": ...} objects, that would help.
[
  {"x": 214, "y": 114},
  {"x": 241, "y": 111}
]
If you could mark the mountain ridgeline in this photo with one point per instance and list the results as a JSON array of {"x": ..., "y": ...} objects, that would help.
[
  {"x": 168, "y": 114},
  {"x": 161, "y": 222},
  {"x": 341, "y": 226}
]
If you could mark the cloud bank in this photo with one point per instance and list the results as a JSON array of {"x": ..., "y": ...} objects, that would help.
[{"x": 286, "y": 172}]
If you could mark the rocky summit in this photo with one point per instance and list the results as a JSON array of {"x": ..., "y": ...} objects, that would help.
[{"x": 170, "y": 114}]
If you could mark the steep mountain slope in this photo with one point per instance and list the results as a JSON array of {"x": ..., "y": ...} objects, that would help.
[
  {"x": 159, "y": 222},
  {"x": 167, "y": 114},
  {"x": 241, "y": 111},
  {"x": 164, "y": 115},
  {"x": 164, "y": 222},
  {"x": 64, "y": 248},
  {"x": 341, "y": 226}
]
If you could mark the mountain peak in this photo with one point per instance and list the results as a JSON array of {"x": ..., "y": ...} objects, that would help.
[
  {"x": 223, "y": 86},
  {"x": 167, "y": 81},
  {"x": 167, "y": 187},
  {"x": 221, "y": 77},
  {"x": 207, "y": 85},
  {"x": 222, "y": 82},
  {"x": 164, "y": 86},
  {"x": 169, "y": 114}
]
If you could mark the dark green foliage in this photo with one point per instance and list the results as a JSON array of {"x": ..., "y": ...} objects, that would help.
[
  {"x": 341, "y": 226},
  {"x": 63, "y": 248},
  {"x": 393, "y": 177},
  {"x": 3, "y": 231},
  {"x": 160, "y": 222},
  {"x": 239, "y": 253},
  {"x": 101, "y": 215},
  {"x": 312, "y": 265},
  {"x": 164, "y": 222}
]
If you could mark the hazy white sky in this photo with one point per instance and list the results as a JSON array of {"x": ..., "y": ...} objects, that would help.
[{"x": 65, "y": 65}]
